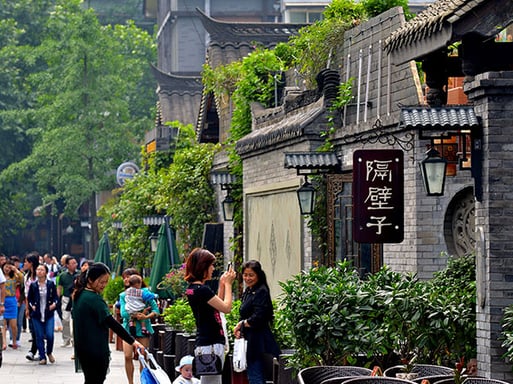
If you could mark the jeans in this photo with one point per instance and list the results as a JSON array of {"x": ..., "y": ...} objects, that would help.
[
  {"x": 44, "y": 330},
  {"x": 21, "y": 314},
  {"x": 255, "y": 372}
]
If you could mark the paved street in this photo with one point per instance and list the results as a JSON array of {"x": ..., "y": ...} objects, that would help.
[{"x": 16, "y": 369}]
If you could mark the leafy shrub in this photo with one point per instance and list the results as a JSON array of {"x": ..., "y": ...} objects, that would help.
[
  {"x": 320, "y": 306},
  {"x": 281, "y": 327},
  {"x": 507, "y": 332},
  {"x": 112, "y": 290},
  {"x": 376, "y": 7},
  {"x": 450, "y": 327},
  {"x": 232, "y": 319},
  {"x": 335, "y": 318},
  {"x": 180, "y": 317}
]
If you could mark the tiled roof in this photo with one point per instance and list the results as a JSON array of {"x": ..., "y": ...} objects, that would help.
[
  {"x": 445, "y": 22},
  {"x": 177, "y": 83},
  {"x": 180, "y": 96},
  {"x": 281, "y": 129},
  {"x": 246, "y": 32},
  {"x": 429, "y": 21},
  {"x": 154, "y": 220},
  {"x": 231, "y": 41},
  {"x": 223, "y": 178},
  {"x": 311, "y": 160},
  {"x": 460, "y": 117}
]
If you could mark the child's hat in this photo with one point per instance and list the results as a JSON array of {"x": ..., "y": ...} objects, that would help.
[{"x": 186, "y": 360}]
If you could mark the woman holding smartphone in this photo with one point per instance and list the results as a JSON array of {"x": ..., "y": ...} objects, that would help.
[{"x": 207, "y": 306}]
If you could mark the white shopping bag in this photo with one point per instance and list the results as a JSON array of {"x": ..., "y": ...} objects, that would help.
[
  {"x": 151, "y": 366},
  {"x": 239, "y": 354}
]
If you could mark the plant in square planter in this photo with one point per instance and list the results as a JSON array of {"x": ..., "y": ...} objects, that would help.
[
  {"x": 407, "y": 369},
  {"x": 179, "y": 317}
]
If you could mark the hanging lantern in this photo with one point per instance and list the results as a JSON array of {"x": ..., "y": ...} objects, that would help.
[{"x": 433, "y": 169}]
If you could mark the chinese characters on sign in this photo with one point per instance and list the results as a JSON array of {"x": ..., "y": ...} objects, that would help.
[{"x": 378, "y": 196}]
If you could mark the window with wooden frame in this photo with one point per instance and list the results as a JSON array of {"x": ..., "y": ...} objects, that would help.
[{"x": 366, "y": 258}]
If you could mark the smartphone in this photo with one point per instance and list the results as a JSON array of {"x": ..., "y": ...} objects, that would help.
[{"x": 229, "y": 266}]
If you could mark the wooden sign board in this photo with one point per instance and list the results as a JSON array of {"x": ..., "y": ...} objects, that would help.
[{"x": 378, "y": 196}]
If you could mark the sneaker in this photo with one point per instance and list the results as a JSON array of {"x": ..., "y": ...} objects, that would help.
[
  {"x": 29, "y": 356},
  {"x": 42, "y": 362},
  {"x": 51, "y": 358},
  {"x": 66, "y": 343}
]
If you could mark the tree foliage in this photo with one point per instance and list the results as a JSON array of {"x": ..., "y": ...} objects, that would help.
[
  {"x": 180, "y": 190},
  {"x": 90, "y": 108}
]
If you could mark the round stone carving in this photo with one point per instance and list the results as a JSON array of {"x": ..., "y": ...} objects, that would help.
[{"x": 460, "y": 223}]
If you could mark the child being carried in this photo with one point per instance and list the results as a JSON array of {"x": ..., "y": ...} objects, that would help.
[{"x": 136, "y": 301}]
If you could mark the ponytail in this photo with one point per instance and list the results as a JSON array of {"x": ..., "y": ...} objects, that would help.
[{"x": 93, "y": 273}]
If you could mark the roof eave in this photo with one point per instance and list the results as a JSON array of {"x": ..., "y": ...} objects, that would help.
[{"x": 421, "y": 48}]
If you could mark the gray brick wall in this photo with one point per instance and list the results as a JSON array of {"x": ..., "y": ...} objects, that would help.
[
  {"x": 388, "y": 85},
  {"x": 493, "y": 100}
]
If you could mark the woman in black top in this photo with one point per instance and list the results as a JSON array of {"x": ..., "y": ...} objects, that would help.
[
  {"x": 206, "y": 305},
  {"x": 256, "y": 314}
]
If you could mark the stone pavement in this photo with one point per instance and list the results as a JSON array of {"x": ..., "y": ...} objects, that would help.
[{"x": 16, "y": 369}]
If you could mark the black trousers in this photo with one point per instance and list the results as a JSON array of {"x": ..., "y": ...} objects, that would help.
[
  {"x": 33, "y": 344},
  {"x": 95, "y": 369}
]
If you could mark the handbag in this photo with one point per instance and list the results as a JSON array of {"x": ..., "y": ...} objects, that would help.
[
  {"x": 152, "y": 373},
  {"x": 240, "y": 347},
  {"x": 207, "y": 364}
]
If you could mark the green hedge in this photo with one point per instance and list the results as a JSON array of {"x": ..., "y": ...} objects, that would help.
[{"x": 336, "y": 318}]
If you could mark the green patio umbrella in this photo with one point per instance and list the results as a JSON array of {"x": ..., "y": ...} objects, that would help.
[
  {"x": 165, "y": 257},
  {"x": 119, "y": 264},
  {"x": 103, "y": 251}
]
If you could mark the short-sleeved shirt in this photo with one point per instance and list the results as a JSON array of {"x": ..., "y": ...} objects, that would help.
[
  {"x": 209, "y": 329},
  {"x": 137, "y": 299},
  {"x": 182, "y": 380},
  {"x": 90, "y": 330},
  {"x": 12, "y": 283},
  {"x": 67, "y": 281}
]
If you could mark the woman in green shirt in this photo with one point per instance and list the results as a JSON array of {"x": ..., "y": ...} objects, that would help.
[{"x": 91, "y": 323}]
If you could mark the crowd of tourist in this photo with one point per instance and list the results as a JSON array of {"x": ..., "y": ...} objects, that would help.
[
  {"x": 35, "y": 288},
  {"x": 42, "y": 296}
]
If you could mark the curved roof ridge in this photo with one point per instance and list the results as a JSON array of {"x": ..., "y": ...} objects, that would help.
[
  {"x": 177, "y": 82},
  {"x": 238, "y": 31}
]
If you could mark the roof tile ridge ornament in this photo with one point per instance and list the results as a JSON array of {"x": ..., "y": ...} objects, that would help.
[{"x": 239, "y": 31}]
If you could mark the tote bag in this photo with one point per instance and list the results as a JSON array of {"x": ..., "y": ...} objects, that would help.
[
  {"x": 152, "y": 373},
  {"x": 240, "y": 347}
]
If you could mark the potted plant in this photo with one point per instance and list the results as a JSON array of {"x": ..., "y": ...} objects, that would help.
[
  {"x": 408, "y": 365},
  {"x": 179, "y": 316},
  {"x": 174, "y": 282}
]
